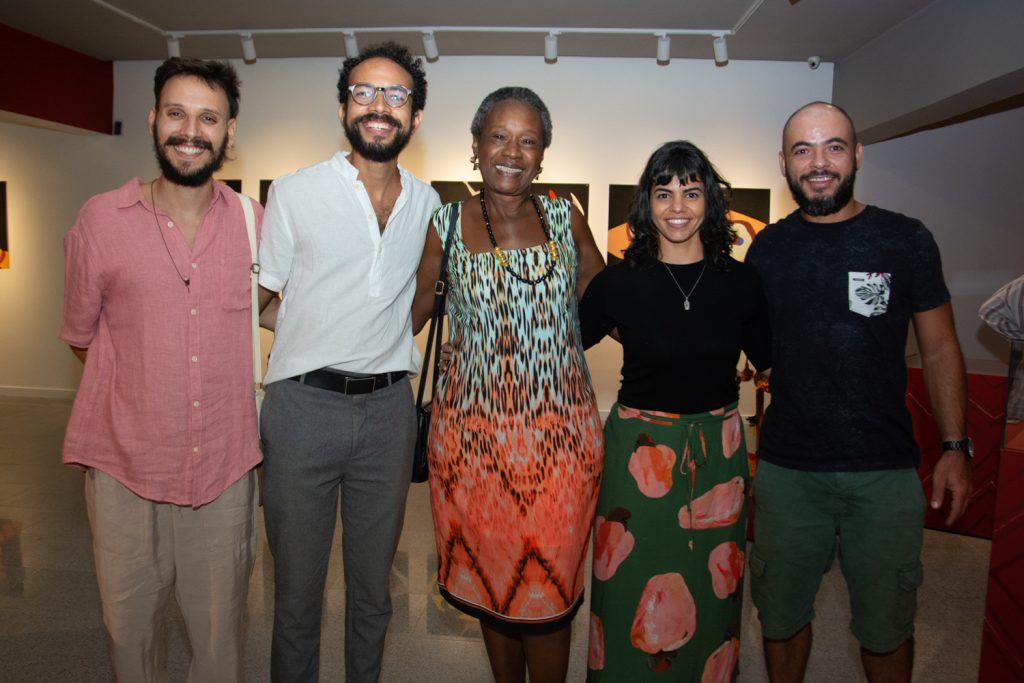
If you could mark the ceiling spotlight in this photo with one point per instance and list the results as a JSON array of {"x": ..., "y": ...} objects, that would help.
[
  {"x": 664, "y": 47},
  {"x": 351, "y": 45},
  {"x": 429, "y": 46},
  {"x": 551, "y": 47},
  {"x": 173, "y": 48},
  {"x": 248, "y": 48},
  {"x": 721, "y": 51}
]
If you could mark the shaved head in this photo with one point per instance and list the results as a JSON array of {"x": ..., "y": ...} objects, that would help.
[{"x": 815, "y": 110}]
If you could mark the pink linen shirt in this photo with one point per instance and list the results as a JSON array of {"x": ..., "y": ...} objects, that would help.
[{"x": 165, "y": 405}]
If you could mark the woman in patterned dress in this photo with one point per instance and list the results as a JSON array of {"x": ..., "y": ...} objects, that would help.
[
  {"x": 515, "y": 444},
  {"x": 669, "y": 535}
]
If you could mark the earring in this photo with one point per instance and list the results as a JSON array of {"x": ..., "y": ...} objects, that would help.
[
  {"x": 476, "y": 162},
  {"x": 540, "y": 169}
]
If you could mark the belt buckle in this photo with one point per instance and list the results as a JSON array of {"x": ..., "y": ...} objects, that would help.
[{"x": 352, "y": 382}]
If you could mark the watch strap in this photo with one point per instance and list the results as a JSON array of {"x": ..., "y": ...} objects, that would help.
[{"x": 965, "y": 446}]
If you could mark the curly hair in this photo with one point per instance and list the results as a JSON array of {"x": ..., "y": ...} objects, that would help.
[
  {"x": 683, "y": 160},
  {"x": 398, "y": 54},
  {"x": 215, "y": 74},
  {"x": 517, "y": 94}
]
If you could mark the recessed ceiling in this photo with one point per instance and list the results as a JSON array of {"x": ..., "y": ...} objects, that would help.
[{"x": 774, "y": 29}]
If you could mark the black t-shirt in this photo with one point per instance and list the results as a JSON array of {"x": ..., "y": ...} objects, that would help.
[
  {"x": 674, "y": 360},
  {"x": 841, "y": 297}
]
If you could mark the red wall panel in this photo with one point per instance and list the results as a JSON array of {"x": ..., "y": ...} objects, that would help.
[
  {"x": 1002, "y": 636},
  {"x": 46, "y": 81},
  {"x": 985, "y": 404}
]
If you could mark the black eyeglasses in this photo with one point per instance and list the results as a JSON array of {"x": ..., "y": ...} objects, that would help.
[{"x": 395, "y": 96}]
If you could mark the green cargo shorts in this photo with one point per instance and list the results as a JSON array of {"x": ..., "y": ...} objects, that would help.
[{"x": 873, "y": 520}]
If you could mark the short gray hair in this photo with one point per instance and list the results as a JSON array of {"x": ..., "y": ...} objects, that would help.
[{"x": 514, "y": 93}]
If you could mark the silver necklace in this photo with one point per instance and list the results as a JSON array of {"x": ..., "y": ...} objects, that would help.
[{"x": 686, "y": 295}]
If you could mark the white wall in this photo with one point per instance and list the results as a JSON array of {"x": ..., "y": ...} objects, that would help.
[
  {"x": 965, "y": 182},
  {"x": 949, "y": 58},
  {"x": 608, "y": 116}
]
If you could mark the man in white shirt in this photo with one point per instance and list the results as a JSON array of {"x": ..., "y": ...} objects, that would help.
[{"x": 342, "y": 240}]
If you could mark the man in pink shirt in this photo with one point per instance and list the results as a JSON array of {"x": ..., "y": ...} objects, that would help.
[{"x": 157, "y": 304}]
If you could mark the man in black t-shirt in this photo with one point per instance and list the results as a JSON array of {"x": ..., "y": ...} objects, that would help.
[{"x": 837, "y": 471}]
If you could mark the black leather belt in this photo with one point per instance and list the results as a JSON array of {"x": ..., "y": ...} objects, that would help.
[{"x": 333, "y": 380}]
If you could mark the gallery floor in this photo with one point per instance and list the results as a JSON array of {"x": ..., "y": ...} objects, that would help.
[{"x": 50, "y": 626}]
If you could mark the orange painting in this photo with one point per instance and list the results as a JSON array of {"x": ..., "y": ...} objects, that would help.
[{"x": 5, "y": 254}]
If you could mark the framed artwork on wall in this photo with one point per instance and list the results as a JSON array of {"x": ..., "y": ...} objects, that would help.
[
  {"x": 457, "y": 190},
  {"x": 5, "y": 254},
  {"x": 749, "y": 213},
  {"x": 264, "y": 191},
  {"x": 235, "y": 184}
]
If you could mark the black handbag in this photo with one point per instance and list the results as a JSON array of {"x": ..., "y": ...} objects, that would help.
[{"x": 420, "y": 467}]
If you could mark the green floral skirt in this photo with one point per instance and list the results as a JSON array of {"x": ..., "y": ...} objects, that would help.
[{"x": 669, "y": 547}]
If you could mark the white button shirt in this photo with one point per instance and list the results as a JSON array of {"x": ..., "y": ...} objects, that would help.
[{"x": 348, "y": 288}]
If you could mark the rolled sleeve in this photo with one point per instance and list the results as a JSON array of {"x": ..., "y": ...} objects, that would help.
[
  {"x": 276, "y": 244},
  {"x": 82, "y": 291}
]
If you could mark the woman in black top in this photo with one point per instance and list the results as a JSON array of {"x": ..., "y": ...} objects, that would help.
[{"x": 669, "y": 537}]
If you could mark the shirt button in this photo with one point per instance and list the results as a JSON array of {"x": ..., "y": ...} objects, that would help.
[
  {"x": 195, "y": 265},
  {"x": 193, "y": 311},
  {"x": 195, "y": 449},
  {"x": 195, "y": 359},
  {"x": 195, "y": 404},
  {"x": 170, "y": 224}
]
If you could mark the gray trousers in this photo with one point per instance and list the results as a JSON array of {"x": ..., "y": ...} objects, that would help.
[{"x": 317, "y": 443}]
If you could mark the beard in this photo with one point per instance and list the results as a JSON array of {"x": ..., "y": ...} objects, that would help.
[
  {"x": 823, "y": 206},
  {"x": 193, "y": 177},
  {"x": 377, "y": 151}
]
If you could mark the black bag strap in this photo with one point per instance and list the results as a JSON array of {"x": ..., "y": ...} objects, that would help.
[{"x": 436, "y": 326}]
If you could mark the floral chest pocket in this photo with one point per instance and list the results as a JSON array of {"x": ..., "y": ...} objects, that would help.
[{"x": 869, "y": 292}]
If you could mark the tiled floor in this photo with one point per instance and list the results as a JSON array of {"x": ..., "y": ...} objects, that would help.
[{"x": 50, "y": 627}]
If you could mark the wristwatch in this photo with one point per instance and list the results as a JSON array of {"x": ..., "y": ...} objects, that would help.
[{"x": 965, "y": 446}]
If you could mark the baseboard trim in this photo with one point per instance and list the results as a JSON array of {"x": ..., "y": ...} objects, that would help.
[{"x": 37, "y": 392}]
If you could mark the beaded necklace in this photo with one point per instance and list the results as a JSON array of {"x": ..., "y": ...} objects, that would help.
[{"x": 503, "y": 259}]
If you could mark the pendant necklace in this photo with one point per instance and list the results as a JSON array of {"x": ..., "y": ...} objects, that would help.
[
  {"x": 686, "y": 295},
  {"x": 503, "y": 259},
  {"x": 152, "y": 200}
]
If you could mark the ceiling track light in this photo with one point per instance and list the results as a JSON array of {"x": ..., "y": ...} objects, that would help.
[
  {"x": 551, "y": 47},
  {"x": 351, "y": 45},
  {"x": 721, "y": 51},
  {"x": 173, "y": 46},
  {"x": 248, "y": 48},
  {"x": 430, "y": 42},
  {"x": 429, "y": 46},
  {"x": 664, "y": 48}
]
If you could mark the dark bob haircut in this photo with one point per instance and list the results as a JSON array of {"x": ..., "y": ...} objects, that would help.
[
  {"x": 516, "y": 94},
  {"x": 398, "y": 54},
  {"x": 215, "y": 74},
  {"x": 683, "y": 160}
]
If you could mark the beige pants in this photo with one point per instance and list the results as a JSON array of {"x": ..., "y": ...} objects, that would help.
[{"x": 144, "y": 550}]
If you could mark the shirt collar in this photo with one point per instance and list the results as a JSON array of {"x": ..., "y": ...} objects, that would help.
[
  {"x": 350, "y": 172},
  {"x": 131, "y": 193}
]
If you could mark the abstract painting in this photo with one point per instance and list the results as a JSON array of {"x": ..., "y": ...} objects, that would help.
[{"x": 5, "y": 254}]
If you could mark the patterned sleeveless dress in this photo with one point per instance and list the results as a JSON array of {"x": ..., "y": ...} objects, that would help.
[{"x": 516, "y": 444}]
